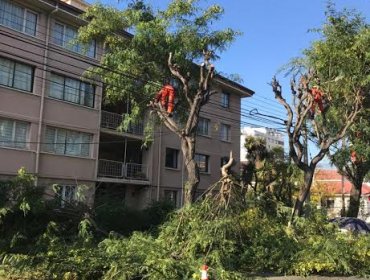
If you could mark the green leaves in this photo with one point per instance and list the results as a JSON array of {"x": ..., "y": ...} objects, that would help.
[{"x": 134, "y": 67}]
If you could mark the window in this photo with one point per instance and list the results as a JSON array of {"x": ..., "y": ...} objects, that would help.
[
  {"x": 67, "y": 142},
  {"x": 16, "y": 75},
  {"x": 67, "y": 195},
  {"x": 13, "y": 134},
  {"x": 223, "y": 161},
  {"x": 65, "y": 36},
  {"x": 330, "y": 203},
  {"x": 225, "y": 99},
  {"x": 225, "y": 132},
  {"x": 171, "y": 196},
  {"x": 203, "y": 126},
  {"x": 17, "y": 18},
  {"x": 172, "y": 156},
  {"x": 71, "y": 90},
  {"x": 202, "y": 161}
]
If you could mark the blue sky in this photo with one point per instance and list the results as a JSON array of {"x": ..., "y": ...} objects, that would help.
[{"x": 273, "y": 32}]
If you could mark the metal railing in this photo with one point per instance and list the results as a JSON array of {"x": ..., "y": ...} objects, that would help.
[
  {"x": 121, "y": 170},
  {"x": 113, "y": 121},
  {"x": 110, "y": 168}
]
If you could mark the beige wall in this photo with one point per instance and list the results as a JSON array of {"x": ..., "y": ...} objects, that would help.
[
  {"x": 25, "y": 106},
  {"x": 173, "y": 179}
]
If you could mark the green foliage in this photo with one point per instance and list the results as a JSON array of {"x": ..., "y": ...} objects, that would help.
[
  {"x": 235, "y": 241},
  {"x": 134, "y": 67},
  {"x": 111, "y": 214}
]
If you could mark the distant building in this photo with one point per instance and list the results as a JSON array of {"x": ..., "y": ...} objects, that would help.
[
  {"x": 328, "y": 185},
  {"x": 272, "y": 137}
]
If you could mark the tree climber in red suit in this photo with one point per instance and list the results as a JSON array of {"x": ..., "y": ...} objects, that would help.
[
  {"x": 319, "y": 99},
  {"x": 167, "y": 98}
]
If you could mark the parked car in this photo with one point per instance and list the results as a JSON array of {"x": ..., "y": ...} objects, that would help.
[{"x": 355, "y": 225}]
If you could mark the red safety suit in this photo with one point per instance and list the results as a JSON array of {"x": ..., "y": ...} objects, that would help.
[
  {"x": 317, "y": 99},
  {"x": 167, "y": 97}
]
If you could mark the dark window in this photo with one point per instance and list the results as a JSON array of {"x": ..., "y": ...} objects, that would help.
[
  {"x": 13, "y": 134},
  {"x": 225, "y": 99},
  {"x": 16, "y": 75},
  {"x": 172, "y": 158},
  {"x": 18, "y": 18},
  {"x": 203, "y": 127},
  {"x": 203, "y": 162},
  {"x": 67, "y": 142},
  {"x": 67, "y": 195},
  {"x": 71, "y": 90},
  {"x": 224, "y": 160},
  {"x": 65, "y": 36},
  {"x": 225, "y": 132},
  {"x": 330, "y": 203},
  {"x": 171, "y": 196}
]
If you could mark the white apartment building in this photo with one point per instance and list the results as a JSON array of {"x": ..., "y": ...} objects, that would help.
[{"x": 272, "y": 137}]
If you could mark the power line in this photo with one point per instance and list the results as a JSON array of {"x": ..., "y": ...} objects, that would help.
[{"x": 259, "y": 119}]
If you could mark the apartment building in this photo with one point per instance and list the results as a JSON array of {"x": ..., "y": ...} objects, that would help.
[
  {"x": 53, "y": 121},
  {"x": 273, "y": 138}
]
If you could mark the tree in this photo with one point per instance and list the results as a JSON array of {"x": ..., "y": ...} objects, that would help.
[
  {"x": 166, "y": 45},
  {"x": 354, "y": 162},
  {"x": 268, "y": 171},
  {"x": 338, "y": 64}
]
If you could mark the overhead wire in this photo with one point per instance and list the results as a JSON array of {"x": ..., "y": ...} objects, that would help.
[{"x": 258, "y": 119}]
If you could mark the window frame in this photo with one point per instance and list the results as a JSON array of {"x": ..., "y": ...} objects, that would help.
[
  {"x": 62, "y": 190},
  {"x": 175, "y": 152},
  {"x": 171, "y": 196},
  {"x": 68, "y": 134},
  {"x": 64, "y": 94},
  {"x": 225, "y": 100},
  {"x": 203, "y": 124},
  {"x": 228, "y": 132},
  {"x": 14, "y": 64},
  {"x": 224, "y": 160},
  {"x": 197, "y": 158},
  {"x": 82, "y": 50},
  {"x": 24, "y": 19},
  {"x": 13, "y": 143}
]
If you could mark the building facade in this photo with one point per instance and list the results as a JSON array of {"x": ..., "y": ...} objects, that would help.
[
  {"x": 53, "y": 122},
  {"x": 334, "y": 191},
  {"x": 272, "y": 137}
]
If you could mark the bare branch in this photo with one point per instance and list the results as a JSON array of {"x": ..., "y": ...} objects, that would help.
[
  {"x": 225, "y": 168},
  {"x": 185, "y": 82}
]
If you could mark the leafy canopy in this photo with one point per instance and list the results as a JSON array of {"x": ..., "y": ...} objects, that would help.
[{"x": 133, "y": 67}]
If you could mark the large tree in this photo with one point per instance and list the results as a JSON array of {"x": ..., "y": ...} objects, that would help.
[
  {"x": 352, "y": 159},
  {"x": 338, "y": 63},
  {"x": 167, "y": 43}
]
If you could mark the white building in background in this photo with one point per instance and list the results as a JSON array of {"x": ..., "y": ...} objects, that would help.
[{"x": 273, "y": 138}]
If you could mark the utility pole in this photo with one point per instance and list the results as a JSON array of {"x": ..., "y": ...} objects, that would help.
[
  {"x": 305, "y": 157},
  {"x": 343, "y": 210}
]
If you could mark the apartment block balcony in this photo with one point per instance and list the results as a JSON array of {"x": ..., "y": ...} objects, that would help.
[
  {"x": 109, "y": 170},
  {"x": 112, "y": 121}
]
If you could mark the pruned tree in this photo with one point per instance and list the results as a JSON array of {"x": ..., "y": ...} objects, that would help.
[
  {"x": 337, "y": 65},
  {"x": 175, "y": 43}
]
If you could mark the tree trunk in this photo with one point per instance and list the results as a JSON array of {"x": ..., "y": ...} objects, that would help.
[
  {"x": 191, "y": 185},
  {"x": 354, "y": 201},
  {"x": 303, "y": 193}
]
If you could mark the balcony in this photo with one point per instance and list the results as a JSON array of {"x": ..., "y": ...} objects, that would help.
[
  {"x": 122, "y": 171},
  {"x": 112, "y": 121}
]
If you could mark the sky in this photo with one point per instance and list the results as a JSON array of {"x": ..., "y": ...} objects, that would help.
[{"x": 274, "y": 32}]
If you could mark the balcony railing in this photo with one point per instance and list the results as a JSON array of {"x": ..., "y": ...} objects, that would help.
[
  {"x": 121, "y": 170},
  {"x": 113, "y": 121}
]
